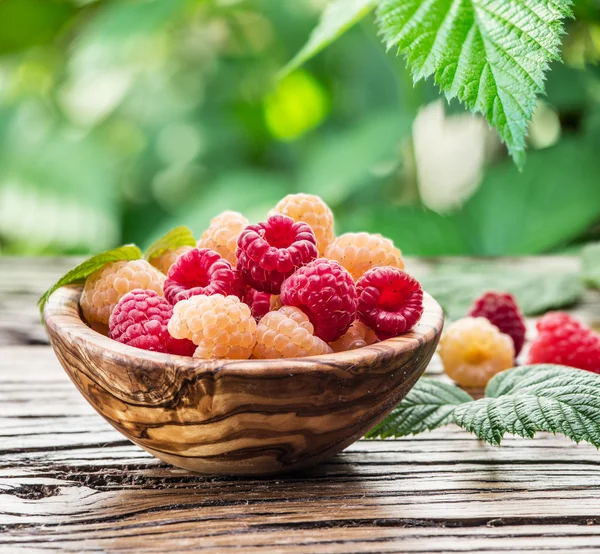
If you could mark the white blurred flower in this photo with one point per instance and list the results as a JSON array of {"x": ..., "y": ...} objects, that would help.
[{"x": 450, "y": 153}]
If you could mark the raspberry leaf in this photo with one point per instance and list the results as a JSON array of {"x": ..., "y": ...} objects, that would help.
[
  {"x": 534, "y": 398},
  {"x": 429, "y": 404},
  {"x": 590, "y": 264},
  {"x": 175, "y": 238},
  {"x": 80, "y": 273},
  {"x": 337, "y": 18},
  {"x": 490, "y": 54},
  {"x": 456, "y": 288}
]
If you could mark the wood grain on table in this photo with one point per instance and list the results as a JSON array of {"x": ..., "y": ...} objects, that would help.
[{"x": 69, "y": 482}]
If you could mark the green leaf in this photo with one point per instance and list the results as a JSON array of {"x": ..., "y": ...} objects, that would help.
[
  {"x": 180, "y": 236},
  {"x": 590, "y": 264},
  {"x": 337, "y": 18},
  {"x": 429, "y": 404},
  {"x": 456, "y": 288},
  {"x": 490, "y": 54},
  {"x": 536, "y": 398},
  {"x": 80, "y": 273}
]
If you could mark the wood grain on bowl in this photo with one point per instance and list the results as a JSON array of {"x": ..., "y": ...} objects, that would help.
[{"x": 238, "y": 417}]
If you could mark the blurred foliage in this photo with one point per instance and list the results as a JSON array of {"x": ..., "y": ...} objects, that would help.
[{"x": 122, "y": 119}]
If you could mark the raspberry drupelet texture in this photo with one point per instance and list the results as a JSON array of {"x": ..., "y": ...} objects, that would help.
[
  {"x": 357, "y": 336},
  {"x": 220, "y": 326},
  {"x": 359, "y": 252},
  {"x": 502, "y": 310},
  {"x": 140, "y": 319},
  {"x": 164, "y": 261},
  {"x": 287, "y": 333},
  {"x": 326, "y": 293},
  {"x": 390, "y": 301},
  {"x": 199, "y": 271},
  {"x": 473, "y": 351},
  {"x": 223, "y": 233},
  {"x": 312, "y": 210},
  {"x": 268, "y": 253},
  {"x": 564, "y": 340},
  {"x": 105, "y": 287},
  {"x": 259, "y": 303}
]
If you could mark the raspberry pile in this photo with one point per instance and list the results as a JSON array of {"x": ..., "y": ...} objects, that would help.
[{"x": 282, "y": 288}]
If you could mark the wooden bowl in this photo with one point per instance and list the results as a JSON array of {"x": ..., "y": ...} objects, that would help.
[{"x": 248, "y": 417}]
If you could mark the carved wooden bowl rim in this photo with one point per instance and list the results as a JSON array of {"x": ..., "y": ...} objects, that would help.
[{"x": 63, "y": 317}]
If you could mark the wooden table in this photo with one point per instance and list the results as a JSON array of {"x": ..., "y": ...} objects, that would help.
[{"x": 69, "y": 482}]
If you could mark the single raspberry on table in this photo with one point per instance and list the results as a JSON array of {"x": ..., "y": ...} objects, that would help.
[
  {"x": 502, "y": 310},
  {"x": 390, "y": 301},
  {"x": 473, "y": 350},
  {"x": 140, "y": 319},
  {"x": 357, "y": 336},
  {"x": 268, "y": 253},
  {"x": 565, "y": 341},
  {"x": 287, "y": 333},
  {"x": 223, "y": 233},
  {"x": 312, "y": 210},
  {"x": 326, "y": 293},
  {"x": 164, "y": 261},
  {"x": 106, "y": 286},
  {"x": 220, "y": 326},
  {"x": 259, "y": 303},
  {"x": 199, "y": 271},
  {"x": 359, "y": 252}
]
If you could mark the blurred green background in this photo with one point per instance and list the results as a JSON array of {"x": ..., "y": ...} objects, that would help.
[{"x": 120, "y": 120}]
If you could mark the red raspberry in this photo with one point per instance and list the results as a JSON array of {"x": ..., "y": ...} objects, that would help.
[
  {"x": 199, "y": 271},
  {"x": 565, "y": 341},
  {"x": 268, "y": 253},
  {"x": 259, "y": 302},
  {"x": 140, "y": 319},
  {"x": 326, "y": 293},
  {"x": 502, "y": 310},
  {"x": 390, "y": 301}
]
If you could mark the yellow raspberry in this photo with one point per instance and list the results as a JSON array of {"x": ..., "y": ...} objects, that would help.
[
  {"x": 359, "y": 252},
  {"x": 164, "y": 261},
  {"x": 105, "y": 287},
  {"x": 312, "y": 210},
  {"x": 222, "y": 234},
  {"x": 357, "y": 336},
  {"x": 222, "y": 327},
  {"x": 473, "y": 351},
  {"x": 287, "y": 333}
]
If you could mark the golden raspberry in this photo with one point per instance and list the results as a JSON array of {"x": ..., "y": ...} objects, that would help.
[
  {"x": 222, "y": 234},
  {"x": 357, "y": 336},
  {"x": 287, "y": 333},
  {"x": 312, "y": 210},
  {"x": 473, "y": 351},
  {"x": 164, "y": 261},
  {"x": 359, "y": 252},
  {"x": 105, "y": 287},
  {"x": 220, "y": 326}
]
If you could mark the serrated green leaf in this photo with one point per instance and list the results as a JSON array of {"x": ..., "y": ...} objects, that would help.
[
  {"x": 337, "y": 18},
  {"x": 529, "y": 399},
  {"x": 490, "y": 54},
  {"x": 590, "y": 264},
  {"x": 175, "y": 238},
  {"x": 80, "y": 273},
  {"x": 429, "y": 405},
  {"x": 535, "y": 293}
]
